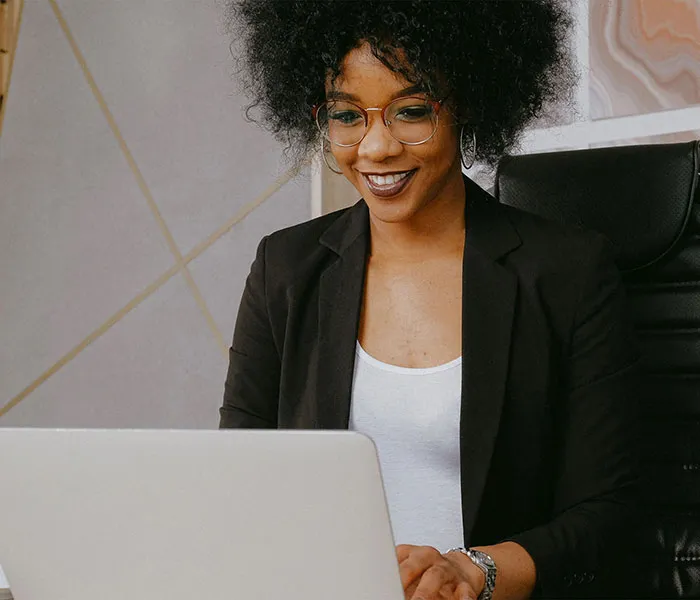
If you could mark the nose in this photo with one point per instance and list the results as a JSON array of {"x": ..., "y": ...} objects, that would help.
[{"x": 378, "y": 144}]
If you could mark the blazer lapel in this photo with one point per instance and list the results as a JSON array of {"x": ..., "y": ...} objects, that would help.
[
  {"x": 488, "y": 306},
  {"x": 340, "y": 302}
]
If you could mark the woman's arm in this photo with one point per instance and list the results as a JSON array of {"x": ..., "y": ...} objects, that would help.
[
  {"x": 252, "y": 384},
  {"x": 597, "y": 425}
]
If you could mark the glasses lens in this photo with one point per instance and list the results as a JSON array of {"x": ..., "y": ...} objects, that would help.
[
  {"x": 411, "y": 120},
  {"x": 341, "y": 122}
]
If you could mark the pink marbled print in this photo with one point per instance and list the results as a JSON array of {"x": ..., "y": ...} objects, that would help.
[{"x": 644, "y": 56}]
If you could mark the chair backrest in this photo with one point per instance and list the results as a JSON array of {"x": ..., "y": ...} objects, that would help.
[{"x": 645, "y": 200}]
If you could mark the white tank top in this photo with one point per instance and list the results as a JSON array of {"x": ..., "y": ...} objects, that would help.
[{"x": 413, "y": 417}]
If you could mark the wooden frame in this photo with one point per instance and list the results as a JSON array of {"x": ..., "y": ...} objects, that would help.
[{"x": 10, "y": 16}]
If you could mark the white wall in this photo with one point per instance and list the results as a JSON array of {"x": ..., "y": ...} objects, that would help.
[{"x": 132, "y": 197}]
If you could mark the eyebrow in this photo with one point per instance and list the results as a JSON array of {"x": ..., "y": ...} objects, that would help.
[{"x": 338, "y": 95}]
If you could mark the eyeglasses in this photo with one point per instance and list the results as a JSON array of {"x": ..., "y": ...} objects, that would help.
[{"x": 410, "y": 120}]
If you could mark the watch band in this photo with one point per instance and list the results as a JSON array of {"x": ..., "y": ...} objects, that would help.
[{"x": 487, "y": 566}]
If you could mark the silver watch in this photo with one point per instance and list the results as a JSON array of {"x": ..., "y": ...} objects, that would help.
[{"x": 487, "y": 566}]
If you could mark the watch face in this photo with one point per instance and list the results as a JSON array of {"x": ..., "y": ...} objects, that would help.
[
  {"x": 487, "y": 564},
  {"x": 485, "y": 559}
]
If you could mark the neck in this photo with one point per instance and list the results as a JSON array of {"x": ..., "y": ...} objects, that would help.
[{"x": 438, "y": 228}]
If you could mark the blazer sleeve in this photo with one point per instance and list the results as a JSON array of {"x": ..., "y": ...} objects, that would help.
[
  {"x": 252, "y": 384},
  {"x": 598, "y": 429}
]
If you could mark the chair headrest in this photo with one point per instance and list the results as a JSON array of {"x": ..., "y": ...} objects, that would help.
[{"x": 639, "y": 197}]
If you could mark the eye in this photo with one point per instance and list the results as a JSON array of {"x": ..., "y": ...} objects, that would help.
[
  {"x": 417, "y": 112},
  {"x": 345, "y": 117}
]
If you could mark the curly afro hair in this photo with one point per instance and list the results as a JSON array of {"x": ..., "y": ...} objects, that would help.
[{"x": 503, "y": 61}]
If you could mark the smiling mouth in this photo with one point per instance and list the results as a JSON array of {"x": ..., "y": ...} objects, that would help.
[{"x": 388, "y": 185}]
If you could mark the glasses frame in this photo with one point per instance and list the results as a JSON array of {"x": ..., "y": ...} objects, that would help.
[{"x": 436, "y": 104}]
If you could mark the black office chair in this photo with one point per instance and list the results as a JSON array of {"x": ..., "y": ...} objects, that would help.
[{"x": 645, "y": 199}]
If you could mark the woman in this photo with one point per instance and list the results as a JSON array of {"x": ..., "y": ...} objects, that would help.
[{"x": 484, "y": 350}]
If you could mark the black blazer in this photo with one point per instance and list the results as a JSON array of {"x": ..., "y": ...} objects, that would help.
[{"x": 548, "y": 418}]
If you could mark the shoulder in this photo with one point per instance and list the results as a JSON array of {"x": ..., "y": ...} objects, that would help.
[
  {"x": 301, "y": 238},
  {"x": 554, "y": 245},
  {"x": 568, "y": 274},
  {"x": 296, "y": 252},
  {"x": 556, "y": 264},
  {"x": 536, "y": 244}
]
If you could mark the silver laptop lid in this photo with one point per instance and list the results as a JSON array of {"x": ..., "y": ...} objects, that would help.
[{"x": 177, "y": 515}]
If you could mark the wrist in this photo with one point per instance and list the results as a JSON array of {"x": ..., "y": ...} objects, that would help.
[
  {"x": 474, "y": 576},
  {"x": 485, "y": 565}
]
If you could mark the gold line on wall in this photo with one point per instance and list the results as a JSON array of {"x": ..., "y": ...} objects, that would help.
[
  {"x": 242, "y": 214},
  {"x": 66, "y": 358},
  {"x": 141, "y": 181},
  {"x": 10, "y": 23},
  {"x": 148, "y": 291}
]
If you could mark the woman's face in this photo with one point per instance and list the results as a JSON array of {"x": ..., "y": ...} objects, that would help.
[{"x": 432, "y": 170}]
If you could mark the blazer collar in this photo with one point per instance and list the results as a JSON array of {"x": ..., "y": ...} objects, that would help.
[
  {"x": 350, "y": 225},
  {"x": 489, "y": 231}
]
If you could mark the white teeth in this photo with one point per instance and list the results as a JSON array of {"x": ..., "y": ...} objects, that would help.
[{"x": 385, "y": 180}]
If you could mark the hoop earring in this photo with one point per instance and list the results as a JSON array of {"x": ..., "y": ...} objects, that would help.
[
  {"x": 325, "y": 158},
  {"x": 470, "y": 152}
]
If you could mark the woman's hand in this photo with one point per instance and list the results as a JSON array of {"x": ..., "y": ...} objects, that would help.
[{"x": 428, "y": 575}]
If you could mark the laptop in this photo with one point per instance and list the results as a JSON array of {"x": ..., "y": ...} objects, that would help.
[{"x": 179, "y": 515}]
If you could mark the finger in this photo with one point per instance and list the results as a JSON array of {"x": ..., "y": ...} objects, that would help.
[
  {"x": 434, "y": 580},
  {"x": 464, "y": 592},
  {"x": 447, "y": 593},
  {"x": 410, "y": 572},
  {"x": 420, "y": 559},
  {"x": 403, "y": 551},
  {"x": 411, "y": 589}
]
